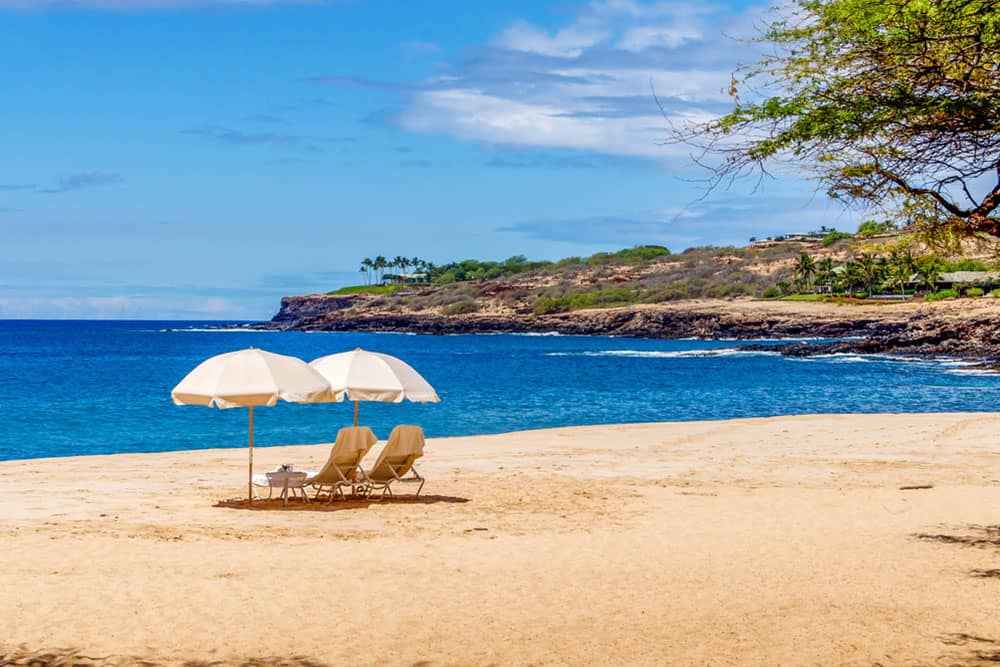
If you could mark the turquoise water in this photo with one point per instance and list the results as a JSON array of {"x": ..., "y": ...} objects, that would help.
[{"x": 69, "y": 388}]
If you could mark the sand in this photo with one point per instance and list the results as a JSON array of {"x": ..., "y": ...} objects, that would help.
[{"x": 754, "y": 542}]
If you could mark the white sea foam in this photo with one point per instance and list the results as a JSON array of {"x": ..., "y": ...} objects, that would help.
[
  {"x": 972, "y": 371},
  {"x": 664, "y": 354},
  {"x": 217, "y": 330}
]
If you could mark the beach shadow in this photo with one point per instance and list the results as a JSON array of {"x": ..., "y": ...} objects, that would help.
[
  {"x": 321, "y": 505},
  {"x": 982, "y": 537},
  {"x": 979, "y": 650},
  {"x": 77, "y": 658},
  {"x": 985, "y": 574},
  {"x": 979, "y": 537}
]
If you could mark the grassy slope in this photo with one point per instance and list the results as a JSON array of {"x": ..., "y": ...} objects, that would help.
[{"x": 615, "y": 279}]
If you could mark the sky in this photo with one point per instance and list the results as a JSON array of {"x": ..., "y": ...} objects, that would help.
[{"x": 199, "y": 159}]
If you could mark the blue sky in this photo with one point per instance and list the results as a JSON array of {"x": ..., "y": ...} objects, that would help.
[{"x": 201, "y": 158}]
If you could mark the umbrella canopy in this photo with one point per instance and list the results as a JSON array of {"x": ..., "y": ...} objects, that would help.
[
  {"x": 252, "y": 377},
  {"x": 370, "y": 376}
]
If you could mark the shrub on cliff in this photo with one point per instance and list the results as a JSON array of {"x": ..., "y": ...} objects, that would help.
[
  {"x": 941, "y": 294},
  {"x": 835, "y": 236},
  {"x": 465, "y": 306},
  {"x": 642, "y": 253}
]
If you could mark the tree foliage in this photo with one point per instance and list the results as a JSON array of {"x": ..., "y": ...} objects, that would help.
[{"x": 892, "y": 103}]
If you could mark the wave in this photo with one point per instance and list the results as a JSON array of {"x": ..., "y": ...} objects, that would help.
[
  {"x": 217, "y": 330},
  {"x": 775, "y": 339},
  {"x": 972, "y": 371},
  {"x": 664, "y": 354}
]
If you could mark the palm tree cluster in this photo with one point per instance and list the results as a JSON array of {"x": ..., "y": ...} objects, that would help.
[
  {"x": 375, "y": 268},
  {"x": 866, "y": 273}
]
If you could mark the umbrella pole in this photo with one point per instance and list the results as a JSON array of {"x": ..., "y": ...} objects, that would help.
[
  {"x": 355, "y": 413},
  {"x": 250, "y": 473}
]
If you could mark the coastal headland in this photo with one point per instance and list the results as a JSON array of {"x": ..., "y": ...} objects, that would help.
[
  {"x": 828, "y": 539},
  {"x": 968, "y": 328}
]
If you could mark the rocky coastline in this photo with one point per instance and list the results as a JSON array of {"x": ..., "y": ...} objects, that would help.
[{"x": 953, "y": 330}]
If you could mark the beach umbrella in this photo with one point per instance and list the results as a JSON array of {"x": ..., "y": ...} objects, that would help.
[
  {"x": 370, "y": 376},
  {"x": 250, "y": 378}
]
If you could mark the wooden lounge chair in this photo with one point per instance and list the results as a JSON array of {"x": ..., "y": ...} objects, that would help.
[
  {"x": 343, "y": 466},
  {"x": 406, "y": 445}
]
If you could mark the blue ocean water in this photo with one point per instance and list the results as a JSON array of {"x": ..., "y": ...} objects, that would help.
[{"x": 90, "y": 387}]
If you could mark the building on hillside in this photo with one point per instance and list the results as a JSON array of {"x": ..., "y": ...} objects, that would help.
[
  {"x": 808, "y": 237},
  {"x": 794, "y": 237},
  {"x": 405, "y": 278},
  {"x": 960, "y": 279}
]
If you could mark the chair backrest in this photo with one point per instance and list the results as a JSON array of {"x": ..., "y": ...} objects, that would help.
[
  {"x": 353, "y": 442},
  {"x": 406, "y": 445}
]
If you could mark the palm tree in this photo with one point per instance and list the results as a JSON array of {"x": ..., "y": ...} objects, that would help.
[
  {"x": 824, "y": 271},
  {"x": 379, "y": 265},
  {"x": 853, "y": 275},
  {"x": 402, "y": 263},
  {"x": 367, "y": 265},
  {"x": 903, "y": 268},
  {"x": 805, "y": 269},
  {"x": 928, "y": 274},
  {"x": 868, "y": 270}
]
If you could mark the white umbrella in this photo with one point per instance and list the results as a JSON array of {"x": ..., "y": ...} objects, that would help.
[
  {"x": 370, "y": 376},
  {"x": 252, "y": 377}
]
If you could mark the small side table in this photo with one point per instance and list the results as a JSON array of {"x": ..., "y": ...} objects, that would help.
[{"x": 288, "y": 481}]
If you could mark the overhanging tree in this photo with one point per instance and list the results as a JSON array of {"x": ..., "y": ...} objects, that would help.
[{"x": 891, "y": 103}]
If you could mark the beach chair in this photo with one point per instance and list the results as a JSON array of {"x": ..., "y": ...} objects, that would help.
[
  {"x": 405, "y": 445},
  {"x": 342, "y": 468}
]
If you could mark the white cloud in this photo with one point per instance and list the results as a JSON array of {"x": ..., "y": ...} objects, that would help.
[
  {"x": 477, "y": 116},
  {"x": 590, "y": 84},
  {"x": 668, "y": 36},
  {"x": 569, "y": 42}
]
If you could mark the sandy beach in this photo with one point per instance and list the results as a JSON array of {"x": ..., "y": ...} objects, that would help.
[{"x": 769, "y": 541}]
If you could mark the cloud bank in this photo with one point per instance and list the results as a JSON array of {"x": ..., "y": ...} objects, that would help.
[{"x": 591, "y": 84}]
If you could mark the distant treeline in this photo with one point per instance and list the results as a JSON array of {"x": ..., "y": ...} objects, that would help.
[{"x": 380, "y": 270}]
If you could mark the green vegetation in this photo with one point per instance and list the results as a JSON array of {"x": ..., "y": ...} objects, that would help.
[
  {"x": 941, "y": 294},
  {"x": 805, "y": 297},
  {"x": 871, "y": 228},
  {"x": 608, "y": 297},
  {"x": 835, "y": 236},
  {"x": 867, "y": 273},
  {"x": 651, "y": 274},
  {"x": 474, "y": 269},
  {"x": 965, "y": 265},
  {"x": 891, "y": 103},
  {"x": 367, "y": 289},
  {"x": 462, "y": 307}
]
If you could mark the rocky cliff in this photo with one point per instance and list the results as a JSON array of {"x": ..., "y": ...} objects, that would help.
[{"x": 964, "y": 328}]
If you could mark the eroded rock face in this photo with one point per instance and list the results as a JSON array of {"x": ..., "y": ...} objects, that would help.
[
  {"x": 915, "y": 333},
  {"x": 295, "y": 311}
]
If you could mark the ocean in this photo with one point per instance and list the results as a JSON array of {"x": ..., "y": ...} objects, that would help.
[{"x": 96, "y": 387}]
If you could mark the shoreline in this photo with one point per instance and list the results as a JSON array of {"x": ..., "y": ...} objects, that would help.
[
  {"x": 258, "y": 447},
  {"x": 962, "y": 329},
  {"x": 757, "y": 541}
]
